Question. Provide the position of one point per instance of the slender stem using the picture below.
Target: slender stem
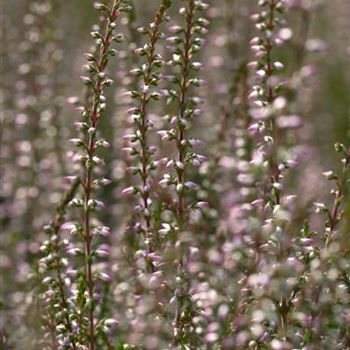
(275, 173)
(181, 145)
(270, 26)
(60, 210)
(183, 102)
(143, 127)
(88, 171)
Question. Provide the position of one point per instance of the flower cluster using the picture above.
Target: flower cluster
(184, 45)
(143, 151)
(87, 290)
(85, 295)
(54, 270)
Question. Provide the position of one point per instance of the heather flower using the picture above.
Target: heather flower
(183, 46)
(143, 151)
(54, 263)
(96, 81)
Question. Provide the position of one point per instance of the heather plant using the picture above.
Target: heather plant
(184, 46)
(143, 124)
(85, 294)
(188, 207)
(56, 319)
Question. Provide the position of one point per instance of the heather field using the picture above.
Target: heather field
(175, 175)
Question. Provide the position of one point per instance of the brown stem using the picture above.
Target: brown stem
(181, 147)
(88, 177)
(144, 157)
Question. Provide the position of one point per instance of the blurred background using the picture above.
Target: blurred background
(43, 48)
